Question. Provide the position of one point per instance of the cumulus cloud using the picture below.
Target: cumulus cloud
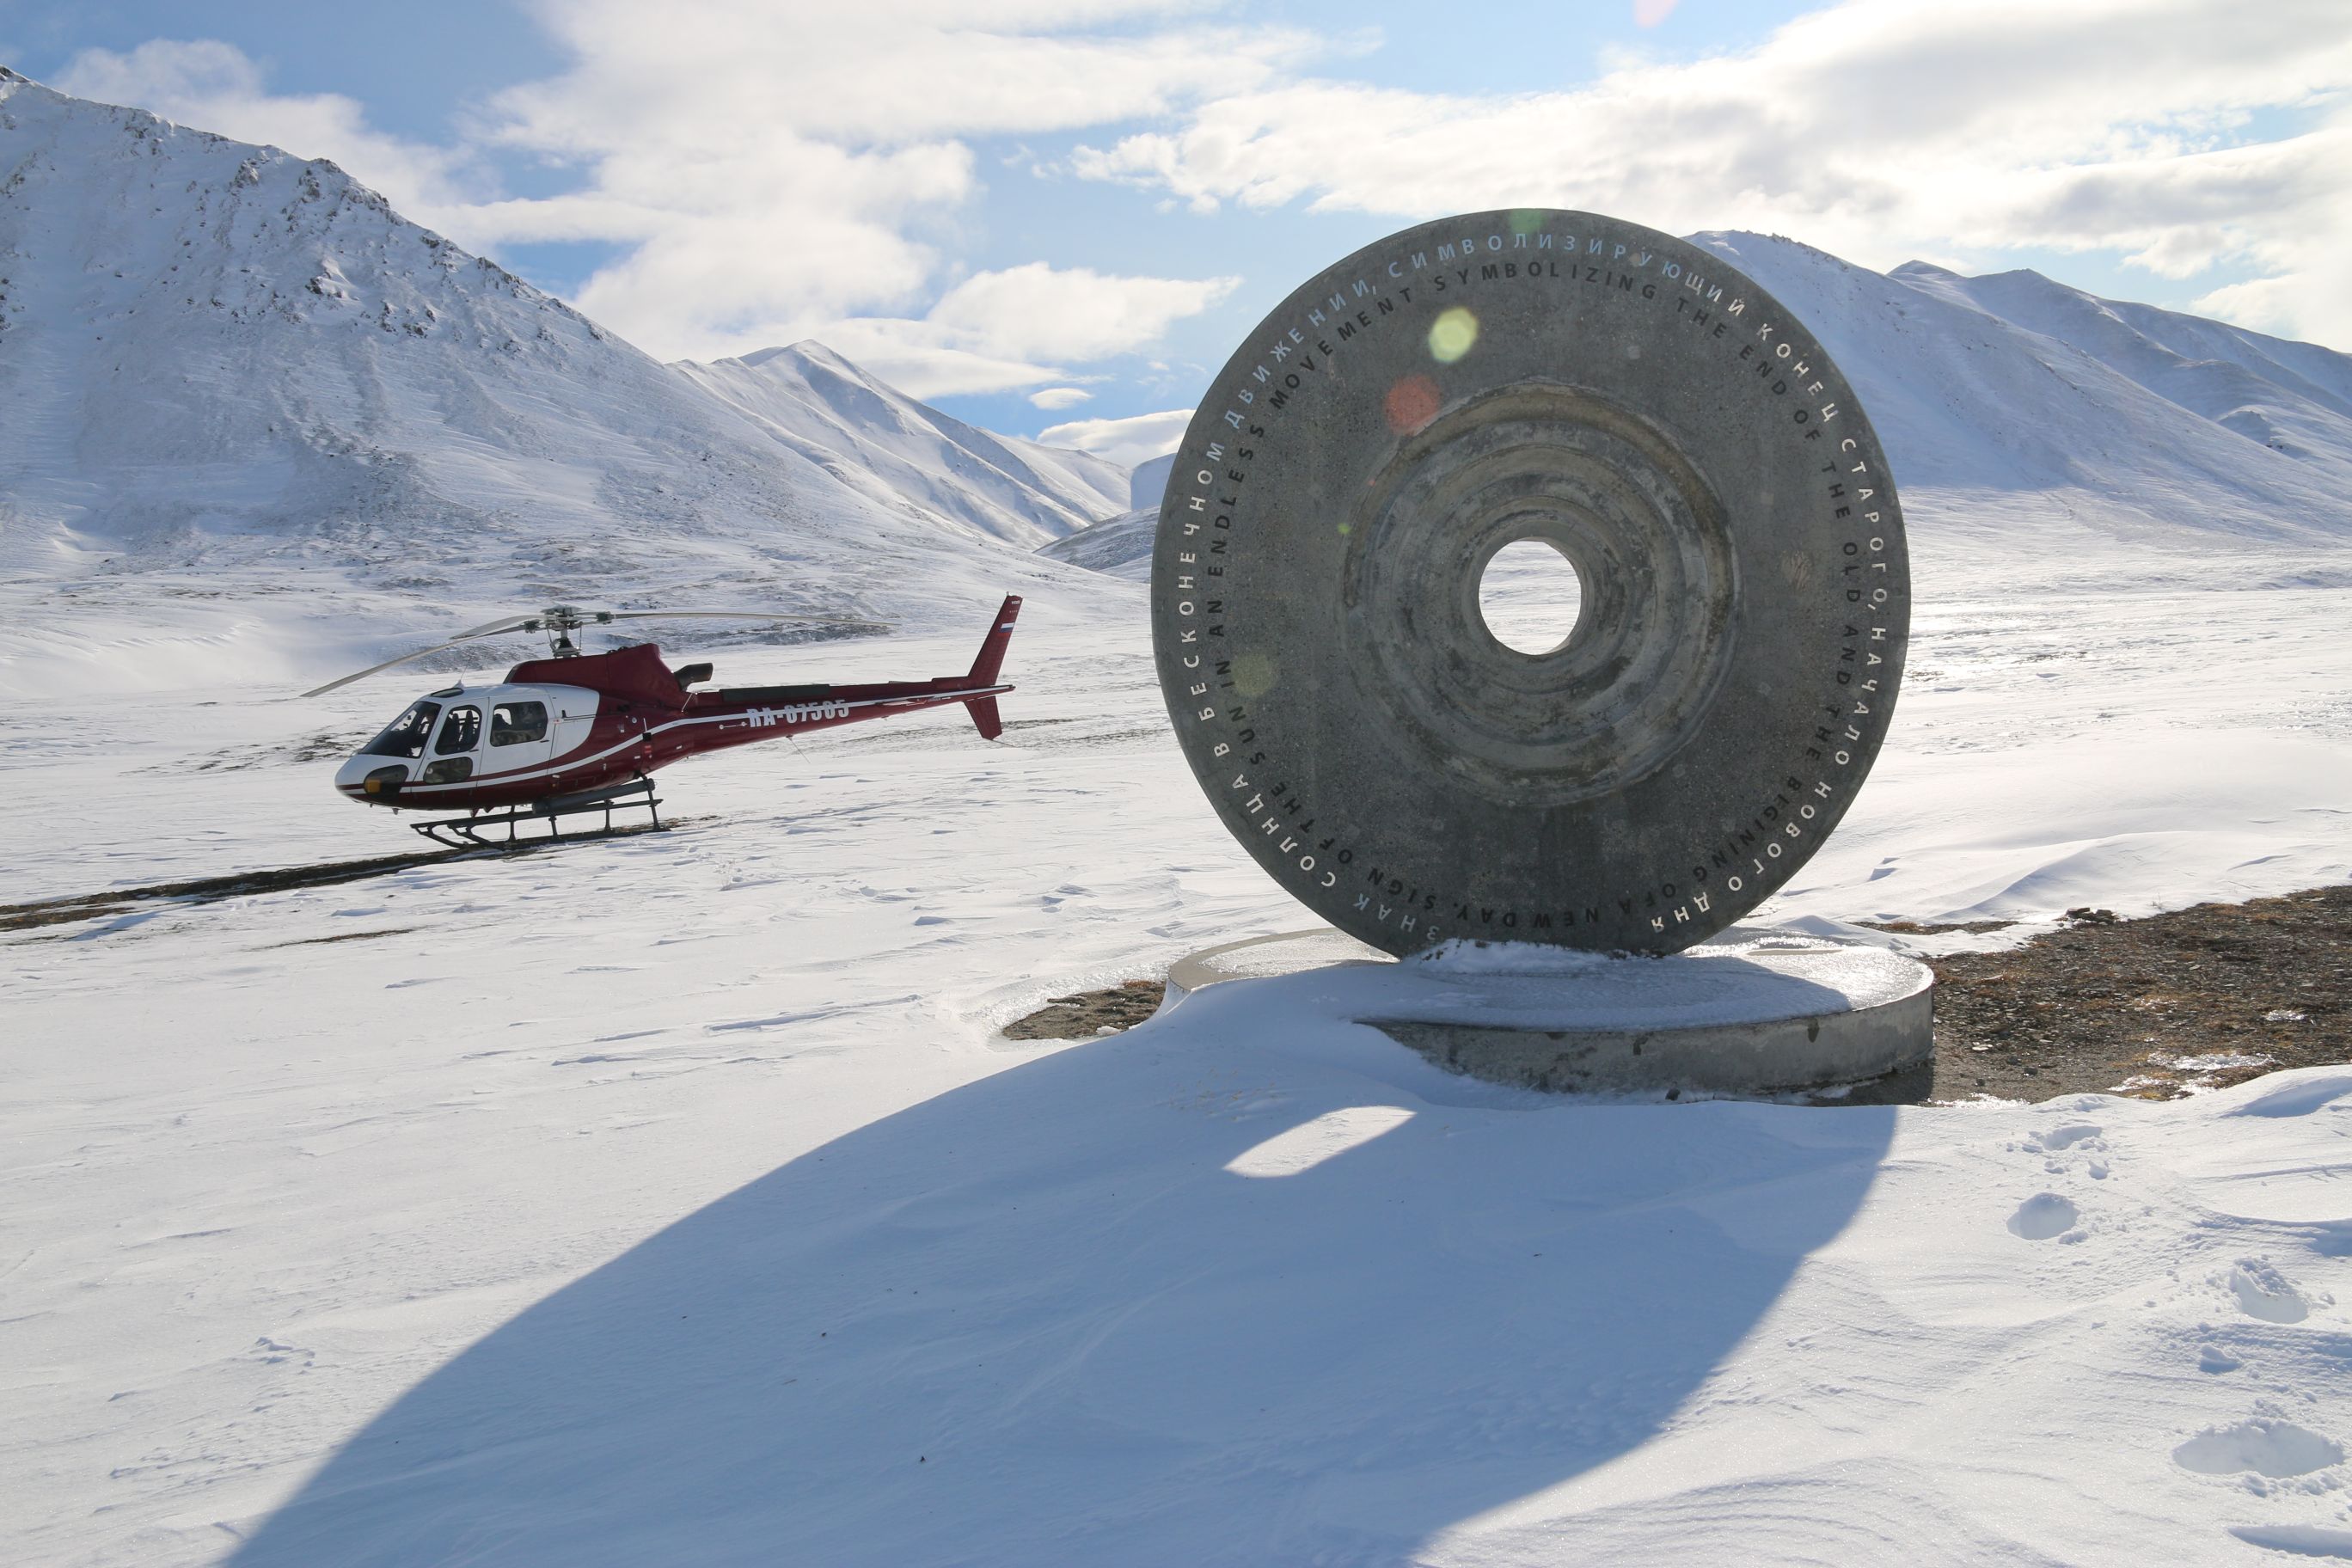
(1073, 314)
(811, 178)
(997, 331)
(1136, 439)
(1057, 397)
(818, 167)
(1877, 129)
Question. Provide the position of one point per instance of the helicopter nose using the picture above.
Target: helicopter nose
(374, 781)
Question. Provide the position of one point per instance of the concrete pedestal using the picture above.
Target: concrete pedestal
(1749, 1012)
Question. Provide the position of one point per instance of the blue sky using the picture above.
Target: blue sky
(1064, 213)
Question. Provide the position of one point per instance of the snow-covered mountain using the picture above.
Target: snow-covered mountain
(228, 375)
(1149, 483)
(883, 444)
(240, 397)
(1121, 545)
(2139, 421)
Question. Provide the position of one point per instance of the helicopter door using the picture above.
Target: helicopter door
(460, 736)
(572, 717)
(522, 730)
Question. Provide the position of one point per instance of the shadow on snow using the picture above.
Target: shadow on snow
(1038, 1318)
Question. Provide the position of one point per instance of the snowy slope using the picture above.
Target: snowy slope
(2243, 381)
(1149, 483)
(240, 397)
(1119, 545)
(2014, 385)
(886, 446)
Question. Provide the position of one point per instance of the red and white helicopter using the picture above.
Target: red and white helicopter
(578, 732)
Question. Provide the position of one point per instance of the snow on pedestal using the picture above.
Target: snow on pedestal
(1749, 1012)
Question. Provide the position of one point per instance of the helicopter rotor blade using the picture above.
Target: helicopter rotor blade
(739, 616)
(559, 615)
(512, 623)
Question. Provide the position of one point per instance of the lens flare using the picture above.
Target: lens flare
(1410, 403)
(1451, 335)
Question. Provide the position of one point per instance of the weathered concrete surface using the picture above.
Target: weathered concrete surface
(1626, 398)
(1749, 1012)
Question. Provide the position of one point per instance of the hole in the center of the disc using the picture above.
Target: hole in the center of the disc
(1530, 596)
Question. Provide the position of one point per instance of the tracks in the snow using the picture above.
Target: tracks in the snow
(208, 890)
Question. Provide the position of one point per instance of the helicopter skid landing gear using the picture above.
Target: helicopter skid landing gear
(473, 832)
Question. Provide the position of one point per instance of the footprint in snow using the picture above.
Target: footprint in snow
(2265, 1445)
(2263, 1292)
(2081, 1138)
(2042, 1216)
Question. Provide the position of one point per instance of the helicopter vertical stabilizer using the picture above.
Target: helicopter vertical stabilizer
(992, 656)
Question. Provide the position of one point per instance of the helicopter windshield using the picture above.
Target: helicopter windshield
(405, 737)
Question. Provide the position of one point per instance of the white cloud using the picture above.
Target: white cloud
(1136, 439)
(997, 331)
(746, 257)
(815, 166)
(213, 87)
(1073, 314)
(814, 171)
(1877, 129)
(1054, 397)
(879, 72)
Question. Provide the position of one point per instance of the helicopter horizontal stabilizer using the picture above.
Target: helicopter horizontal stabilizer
(985, 717)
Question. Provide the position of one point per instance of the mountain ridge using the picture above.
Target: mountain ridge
(2013, 383)
(875, 437)
(231, 377)
(230, 374)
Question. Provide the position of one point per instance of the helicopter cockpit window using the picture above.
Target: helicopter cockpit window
(461, 731)
(405, 735)
(511, 724)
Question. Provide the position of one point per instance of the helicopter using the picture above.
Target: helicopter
(579, 732)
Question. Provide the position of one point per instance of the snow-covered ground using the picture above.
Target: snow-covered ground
(673, 1198)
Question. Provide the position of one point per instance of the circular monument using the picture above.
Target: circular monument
(1720, 681)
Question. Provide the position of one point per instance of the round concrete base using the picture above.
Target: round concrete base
(1749, 1012)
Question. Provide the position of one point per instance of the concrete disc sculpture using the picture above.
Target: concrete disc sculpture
(1634, 403)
